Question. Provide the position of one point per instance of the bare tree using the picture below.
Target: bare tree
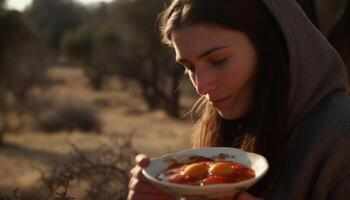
(22, 64)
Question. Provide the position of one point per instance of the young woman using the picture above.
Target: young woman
(269, 83)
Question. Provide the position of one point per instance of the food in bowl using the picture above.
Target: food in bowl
(191, 156)
(200, 170)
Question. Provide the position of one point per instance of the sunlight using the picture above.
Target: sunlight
(22, 4)
(18, 4)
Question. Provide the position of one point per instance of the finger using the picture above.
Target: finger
(244, 196)
(143, 187)
(136, 172)
(132, 172)
(142, 196)
(142, 160)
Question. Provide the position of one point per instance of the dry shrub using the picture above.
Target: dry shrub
(69, 115)
(15, 195)
(103, 171)
(20, 194)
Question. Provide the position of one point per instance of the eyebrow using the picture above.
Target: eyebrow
(209, 51)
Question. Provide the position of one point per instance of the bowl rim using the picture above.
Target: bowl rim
(213, 186)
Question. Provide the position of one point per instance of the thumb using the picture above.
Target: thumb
(142, 160)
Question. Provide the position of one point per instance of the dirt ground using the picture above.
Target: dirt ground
(121, 112)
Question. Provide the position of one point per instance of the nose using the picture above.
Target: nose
(205, 82)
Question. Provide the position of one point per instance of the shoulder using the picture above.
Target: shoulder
(335, 107)
(330, 119)
(325, 136)
(316, 157)
(326, 130)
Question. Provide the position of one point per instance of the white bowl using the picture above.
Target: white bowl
(256, 162)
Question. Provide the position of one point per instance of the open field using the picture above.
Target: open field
(120, 111)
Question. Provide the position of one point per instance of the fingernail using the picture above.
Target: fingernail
(142, 160)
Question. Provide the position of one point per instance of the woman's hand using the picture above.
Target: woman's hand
(139, 188)
(246, 196)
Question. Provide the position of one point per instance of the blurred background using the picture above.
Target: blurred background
(86, 84)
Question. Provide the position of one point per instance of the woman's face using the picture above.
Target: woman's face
(221, 64)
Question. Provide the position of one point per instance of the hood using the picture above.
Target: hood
(316, 69)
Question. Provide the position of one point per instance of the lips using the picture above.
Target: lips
(216, 101)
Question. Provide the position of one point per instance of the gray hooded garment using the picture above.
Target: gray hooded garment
(316, 162)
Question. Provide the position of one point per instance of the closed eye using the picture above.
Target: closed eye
(218, 62)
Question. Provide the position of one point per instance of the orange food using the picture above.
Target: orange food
(196, 170)
(221, 169)
(206, 173)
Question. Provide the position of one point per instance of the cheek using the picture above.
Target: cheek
(239, 74)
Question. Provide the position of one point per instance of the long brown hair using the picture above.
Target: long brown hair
(269, 113)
